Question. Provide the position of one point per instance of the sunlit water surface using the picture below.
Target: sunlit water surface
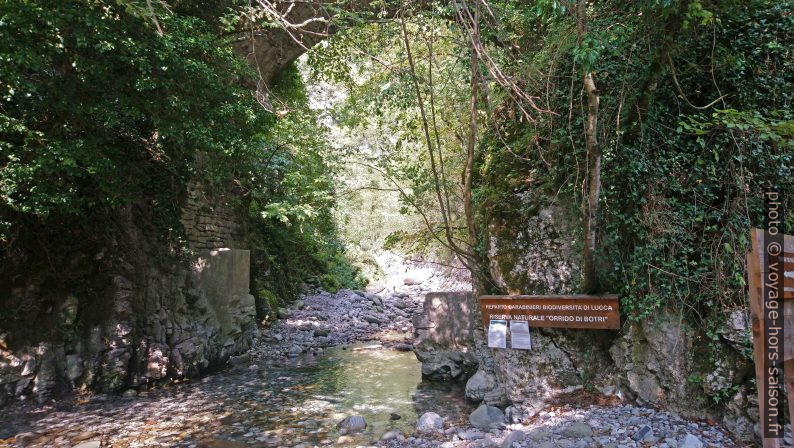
(374, 383)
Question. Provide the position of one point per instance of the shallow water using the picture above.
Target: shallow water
(264, 405)
(371, 382)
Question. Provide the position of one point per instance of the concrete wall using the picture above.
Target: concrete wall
(443, 336)
(222, 276)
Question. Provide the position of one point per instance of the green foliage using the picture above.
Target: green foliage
(682, 186)
(100, 110)
(689, 232)
(107, 105)
(389, 152)
(102, 121)
(293, 233)
(587, 52)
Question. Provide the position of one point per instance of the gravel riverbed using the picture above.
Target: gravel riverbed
(318, 364)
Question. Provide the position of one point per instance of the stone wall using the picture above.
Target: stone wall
(162, 316)
(212, 219)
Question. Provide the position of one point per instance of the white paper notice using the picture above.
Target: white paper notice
(519, 335)
(497, 334)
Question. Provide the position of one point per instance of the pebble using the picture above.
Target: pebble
(512, 438)
(430, 422)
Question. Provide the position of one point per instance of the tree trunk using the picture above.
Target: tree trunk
(471, 142)
(589, 278)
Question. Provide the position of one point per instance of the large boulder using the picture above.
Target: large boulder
(445, 365)
(538, 256)
(487, 417)
(513, 438)
(657, 358)
(443, 335)
(690, 441)
(479, 385)
(577, 430)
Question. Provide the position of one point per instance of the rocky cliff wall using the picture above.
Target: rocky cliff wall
(662, 361)
(160, 316)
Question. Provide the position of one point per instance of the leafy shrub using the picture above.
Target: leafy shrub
(100, 110)
(682, 185)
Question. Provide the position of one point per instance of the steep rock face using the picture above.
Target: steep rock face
(538, 258)
(665, 361)
(655, 356)
(172, 325)
(159, 317)
(662, 361)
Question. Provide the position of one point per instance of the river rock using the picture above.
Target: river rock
(74, 366)
(430, 422)
(30, 367)
(486, 417)
(690, 441)
(376, 299)
(513, 437)
(282, 313)
(478, 385)
(240, 361)
(392, 435)
(371, 319)
(644, 432)
(539, 434)
(577, 430)
(130, 393)
(321, 331)
(351, 425)
(89, 444)
(442, 365)
(25, 438)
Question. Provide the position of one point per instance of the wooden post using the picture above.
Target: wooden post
(755, 278)
(757, 325)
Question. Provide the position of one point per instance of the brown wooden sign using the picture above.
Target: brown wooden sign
(571, 311)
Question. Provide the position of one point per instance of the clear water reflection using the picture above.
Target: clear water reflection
(374, 383)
